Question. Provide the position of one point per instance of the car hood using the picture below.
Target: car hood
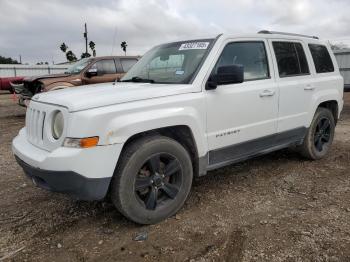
(35, 78)
(92, 96)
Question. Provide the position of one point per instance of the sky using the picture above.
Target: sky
(35, 29)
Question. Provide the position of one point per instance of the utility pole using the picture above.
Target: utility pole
(20, 59)
(86, 39)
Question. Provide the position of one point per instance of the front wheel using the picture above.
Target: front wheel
(319, 137)
(152, 180)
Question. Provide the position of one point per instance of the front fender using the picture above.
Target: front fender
(120, 129)
(116, 124)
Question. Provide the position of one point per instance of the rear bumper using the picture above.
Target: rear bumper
(68, 182)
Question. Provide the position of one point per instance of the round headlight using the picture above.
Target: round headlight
(57, 125)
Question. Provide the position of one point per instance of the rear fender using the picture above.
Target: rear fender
(324, 96)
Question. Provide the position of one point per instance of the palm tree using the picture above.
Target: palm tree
(123, 46)
(64, 47)
(92, 47)
(85, 55)
(71, 56)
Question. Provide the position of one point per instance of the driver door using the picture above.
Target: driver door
(105, 69)
(242, 117)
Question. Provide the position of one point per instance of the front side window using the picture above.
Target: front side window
(291, 59)
(322, 59)
(251, 55)
(105, 66)
(174, 63)
(78, 66)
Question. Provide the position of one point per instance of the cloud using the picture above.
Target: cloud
(36, 28)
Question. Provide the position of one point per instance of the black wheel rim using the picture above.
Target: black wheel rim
(322, 134)
(158, 181)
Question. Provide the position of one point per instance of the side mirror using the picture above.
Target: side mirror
(231, 74)
(91, 72)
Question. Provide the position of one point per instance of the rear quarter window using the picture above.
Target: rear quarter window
(322, 59)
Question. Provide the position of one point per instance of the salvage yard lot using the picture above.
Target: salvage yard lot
(278, 207)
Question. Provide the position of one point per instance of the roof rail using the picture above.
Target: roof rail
(283, 33)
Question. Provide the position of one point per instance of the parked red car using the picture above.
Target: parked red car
(5, 82)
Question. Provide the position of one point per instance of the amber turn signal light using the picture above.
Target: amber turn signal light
(89, 142)
(86, 142)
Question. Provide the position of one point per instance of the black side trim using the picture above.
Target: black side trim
(239, 152)
(68, 182)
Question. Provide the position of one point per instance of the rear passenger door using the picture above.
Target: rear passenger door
(295, 84)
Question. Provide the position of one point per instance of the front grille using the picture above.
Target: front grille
(35, 120)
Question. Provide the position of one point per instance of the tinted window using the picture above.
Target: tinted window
(322, 59)
(127, 64)
(291, 59)
(252, 55)
(106, 66)
(304, 67)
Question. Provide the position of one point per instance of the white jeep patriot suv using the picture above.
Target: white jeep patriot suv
(185, 108)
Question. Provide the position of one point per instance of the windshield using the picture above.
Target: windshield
(78, 66)
(172, 63)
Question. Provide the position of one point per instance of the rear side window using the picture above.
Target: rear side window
(251, 55)
(127, 64)
(322, 59)
(291, 59)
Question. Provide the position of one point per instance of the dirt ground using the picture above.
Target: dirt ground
(278, 207)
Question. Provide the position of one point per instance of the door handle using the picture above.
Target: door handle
(309, 88)
(267, 93)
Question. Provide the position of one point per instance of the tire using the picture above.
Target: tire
(319, 137)
(138, 179)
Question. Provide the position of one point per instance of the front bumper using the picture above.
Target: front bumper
(68, 182)
(23, 101)
(82, 173)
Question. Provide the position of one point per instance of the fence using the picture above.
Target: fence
(30, 70)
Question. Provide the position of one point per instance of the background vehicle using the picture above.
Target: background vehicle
(86, 71)
(184, 109)
(5, 82)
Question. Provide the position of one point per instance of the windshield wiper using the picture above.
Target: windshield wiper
(138, 79)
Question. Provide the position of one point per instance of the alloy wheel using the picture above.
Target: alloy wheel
(322, 134)
(158, 181)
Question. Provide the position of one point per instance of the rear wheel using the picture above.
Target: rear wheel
(319, 137)
(152, 180)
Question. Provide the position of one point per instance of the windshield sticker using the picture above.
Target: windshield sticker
(194, 45)
(179, 72)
